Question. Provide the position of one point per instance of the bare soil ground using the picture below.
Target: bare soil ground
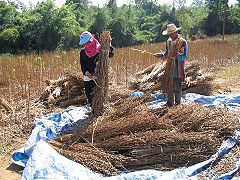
(8, 170)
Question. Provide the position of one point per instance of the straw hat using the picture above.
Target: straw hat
(171, 28)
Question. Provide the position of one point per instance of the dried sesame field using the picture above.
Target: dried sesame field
(23, 80)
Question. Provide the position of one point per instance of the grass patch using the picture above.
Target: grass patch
(230, 72)
(228, 78)
(236, 38)
(4, 146)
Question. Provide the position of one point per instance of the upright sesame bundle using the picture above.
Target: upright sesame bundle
(101, 91)
(167, 81)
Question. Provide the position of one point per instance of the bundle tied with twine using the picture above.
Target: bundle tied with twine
(167, 81)
(101, 90)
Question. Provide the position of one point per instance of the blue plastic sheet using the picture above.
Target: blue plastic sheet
(43, 162)
(46, 163)
(48, 127)
(230, 102)
(137, 93)
(230, 174)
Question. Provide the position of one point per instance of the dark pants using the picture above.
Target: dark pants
(89, 88)
(177, 93)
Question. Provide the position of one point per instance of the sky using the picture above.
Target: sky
(120, 2)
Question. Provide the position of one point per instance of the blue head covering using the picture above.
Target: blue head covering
(85, 37)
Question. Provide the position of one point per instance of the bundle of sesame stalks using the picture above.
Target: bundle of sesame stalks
(197, 80)
(65, 91)
(92, 157)
(132, 136)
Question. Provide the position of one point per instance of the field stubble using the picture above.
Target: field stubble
(22, 80)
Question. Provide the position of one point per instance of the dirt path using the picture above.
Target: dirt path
(8, 170)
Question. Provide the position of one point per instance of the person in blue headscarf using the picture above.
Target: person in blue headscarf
(89, 56)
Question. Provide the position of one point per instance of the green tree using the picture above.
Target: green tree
(9, 40)
(101, 21)
(46, 27)
(118, 29)
(197, 4)
(83, 11)
(29, 32)
(166, 15)
(9, 32)
(68, 27)
(183, 17)
(80, 4)
(131, 14)
(7, 15)
(47, 37)
(112, 3)
(149, 30)
(215, 17)
(113, 9)
(150, 7)
(234, 19)
(199, 15)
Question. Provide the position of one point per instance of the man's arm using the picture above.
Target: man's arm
(162, 54)
(82, 62)
(182, 55)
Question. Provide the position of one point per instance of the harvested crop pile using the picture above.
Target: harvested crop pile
(67, 90)
(92, 157)
(5, 106)
(142, 138)
(17, 125)
(197, 81)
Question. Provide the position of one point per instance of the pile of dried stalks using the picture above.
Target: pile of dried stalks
(5, 106)
(16, 126)
(163, 138)
(227, 163)
(197, 81)
(92, 157)
(67, 90)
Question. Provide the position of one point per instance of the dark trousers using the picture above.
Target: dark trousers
(89, 88)
(177, 93)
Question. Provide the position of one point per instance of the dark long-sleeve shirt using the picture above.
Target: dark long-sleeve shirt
(88, 63)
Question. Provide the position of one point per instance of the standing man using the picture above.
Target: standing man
(176, 53)
(89, 56)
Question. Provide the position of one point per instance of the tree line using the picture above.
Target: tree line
(46, 27)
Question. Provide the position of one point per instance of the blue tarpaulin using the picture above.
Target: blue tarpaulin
(48, 127)
(230, 102)
(42, 162)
